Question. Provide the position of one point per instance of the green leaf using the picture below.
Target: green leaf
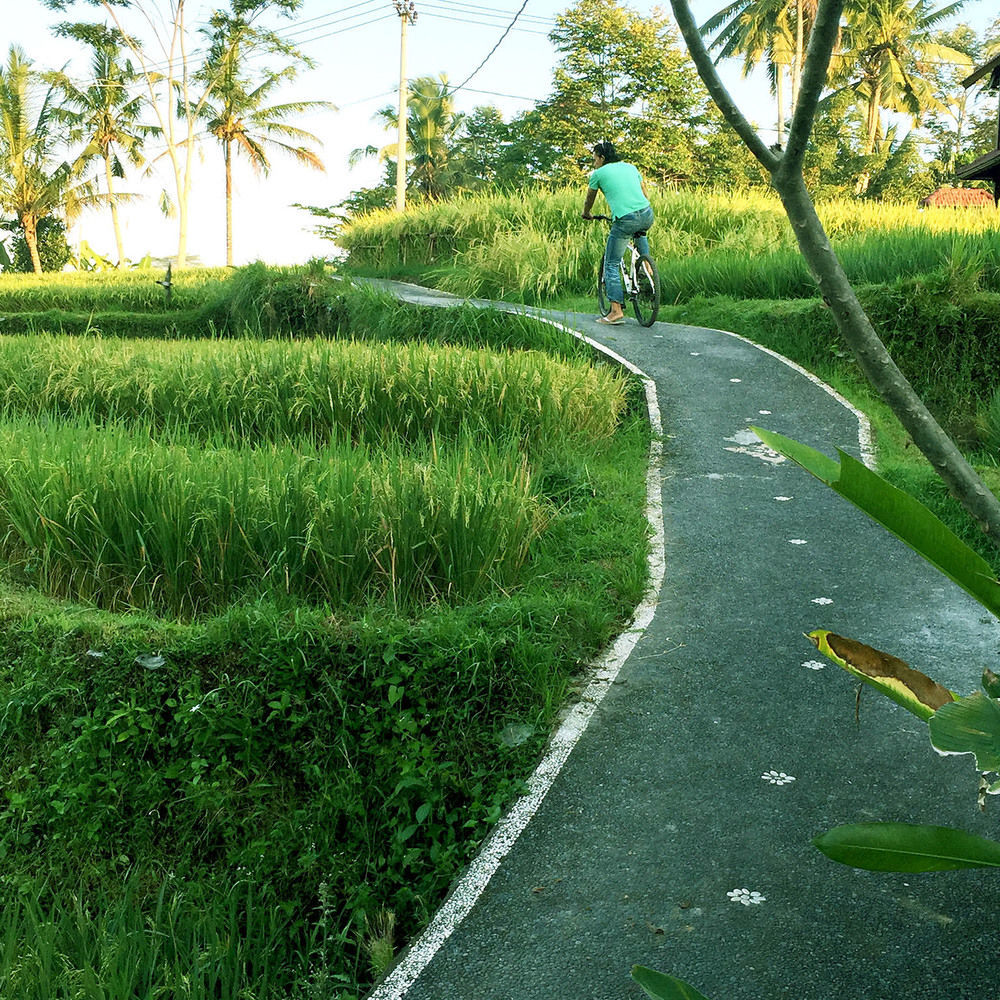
(991, 683)
(907, 518)
(969, 725)
(906, 847)
(660, 986)
(894, 678)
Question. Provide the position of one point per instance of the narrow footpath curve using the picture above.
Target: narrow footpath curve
(677, 833)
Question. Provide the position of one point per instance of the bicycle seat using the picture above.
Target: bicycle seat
(641, 232)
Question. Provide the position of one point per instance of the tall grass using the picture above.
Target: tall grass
(181, 477)
(132, 945)
(133, 290)
(706, 243)
(106, 516)
(255, 392)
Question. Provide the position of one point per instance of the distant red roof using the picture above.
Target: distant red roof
(959, 198)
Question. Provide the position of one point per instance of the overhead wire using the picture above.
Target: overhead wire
(490, 53)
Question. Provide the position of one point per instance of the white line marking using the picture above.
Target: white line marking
(603, 673)
(866, 441)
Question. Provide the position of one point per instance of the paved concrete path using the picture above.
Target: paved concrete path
(726, 743)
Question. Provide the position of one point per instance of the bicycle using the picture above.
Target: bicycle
(640, 279)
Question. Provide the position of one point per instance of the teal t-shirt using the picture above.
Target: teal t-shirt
(622, 187)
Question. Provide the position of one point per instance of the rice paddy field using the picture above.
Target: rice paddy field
(293, 580)
(929, 280)
(535, 248)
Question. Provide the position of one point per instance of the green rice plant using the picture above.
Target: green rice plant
(527, 265)
(176, 942)
(109, 291)
(255, 392)
(706, 243)
(105, 516)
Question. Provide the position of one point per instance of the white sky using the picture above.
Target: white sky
(355, 44)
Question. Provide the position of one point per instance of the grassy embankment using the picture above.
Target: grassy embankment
(930, 281)
(294, 580)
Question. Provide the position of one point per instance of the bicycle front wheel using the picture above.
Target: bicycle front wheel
(646, 299)
(603, 302)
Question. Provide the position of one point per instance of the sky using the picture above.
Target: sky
(355, 45)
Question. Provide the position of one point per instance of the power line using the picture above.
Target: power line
(485, 24)
(299, 35)
(493, 93)
(365, 100)
(495, 47)
(475, 10)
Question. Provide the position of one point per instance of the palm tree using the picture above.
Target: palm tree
(235, 111)
(33, 185)
(887, 58)
(431, 125)
(107, 111)
(771, 29)
(992, 47)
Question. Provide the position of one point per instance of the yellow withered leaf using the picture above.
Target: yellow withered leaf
(896, 679)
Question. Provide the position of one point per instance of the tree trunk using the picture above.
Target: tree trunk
(799, 52)
(184, 185)
(227, 153)
(779, 94)
(113, 202)
(873, 129)
(855, 327)
(29, 223)
(876, 363)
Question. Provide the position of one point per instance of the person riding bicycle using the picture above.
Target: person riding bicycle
(625, 192)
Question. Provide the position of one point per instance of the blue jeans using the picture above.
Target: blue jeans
(621, 230)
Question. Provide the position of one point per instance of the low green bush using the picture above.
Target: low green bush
(295, 754)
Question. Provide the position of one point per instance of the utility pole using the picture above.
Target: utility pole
(407, 11)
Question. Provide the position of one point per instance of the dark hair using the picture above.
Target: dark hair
(608, 151)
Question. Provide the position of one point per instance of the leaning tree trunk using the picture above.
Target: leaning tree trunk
(785, 169)
(876, 362)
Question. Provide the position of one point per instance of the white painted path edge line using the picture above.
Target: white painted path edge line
(472, 884)
(866, 441)
(470, 887)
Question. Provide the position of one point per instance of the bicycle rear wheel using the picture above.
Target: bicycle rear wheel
(603, 302)
(646, 300)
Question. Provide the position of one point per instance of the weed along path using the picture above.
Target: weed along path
(676, 834)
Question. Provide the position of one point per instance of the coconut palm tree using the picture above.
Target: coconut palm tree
(887, 57)
(775, 30)
(106, 111)
(431, 127)
(992, 46)
(34, 184)
(235, 107)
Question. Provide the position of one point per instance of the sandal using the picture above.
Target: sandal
(604, 321)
